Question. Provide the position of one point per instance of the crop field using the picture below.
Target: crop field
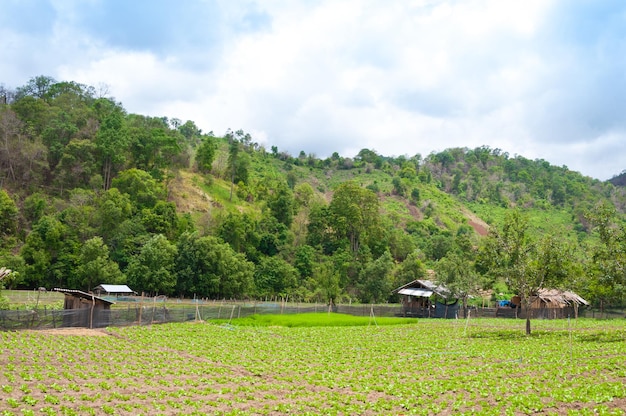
(313, 366)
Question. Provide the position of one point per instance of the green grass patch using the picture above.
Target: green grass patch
(319, 319)
(31, 298)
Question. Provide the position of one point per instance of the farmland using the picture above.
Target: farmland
(483, 366)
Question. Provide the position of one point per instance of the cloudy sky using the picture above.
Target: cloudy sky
(537, 78)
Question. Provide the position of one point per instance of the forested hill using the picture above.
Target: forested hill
(92, 194)
(619, 180)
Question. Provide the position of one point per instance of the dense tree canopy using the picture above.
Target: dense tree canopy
(91, 194)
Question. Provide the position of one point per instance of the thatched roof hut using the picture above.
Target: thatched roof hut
(554, 298)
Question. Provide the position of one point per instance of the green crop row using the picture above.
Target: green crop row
(427, 367)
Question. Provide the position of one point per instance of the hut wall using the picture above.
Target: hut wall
(78, 313)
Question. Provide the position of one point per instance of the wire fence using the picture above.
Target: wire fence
(127, 312)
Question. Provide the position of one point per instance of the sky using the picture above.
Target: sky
(542, 79)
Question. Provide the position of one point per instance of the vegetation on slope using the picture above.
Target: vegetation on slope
(91, 194)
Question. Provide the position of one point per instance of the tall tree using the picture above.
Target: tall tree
(49, 254)
(206, 154)
(458, 274)
(8, 215)
(275, 277)
(376, 280)
(238, 161)
(233, 155)
(280, 201)
(152, 270)
(327, 281)
(526, 265)
(207, 267)
(22, 154)
(111, 141)
(95, 266)
(37, 87)
(608, 265)
(354, 214)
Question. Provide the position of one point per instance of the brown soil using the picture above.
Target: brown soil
(72, 331)
(480, 226)
(188, 197)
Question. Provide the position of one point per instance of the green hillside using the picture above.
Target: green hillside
(93, 194)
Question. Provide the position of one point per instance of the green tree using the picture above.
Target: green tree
(111, 142)
(458, 275)
(190, 131)
(16, 264)
(8, 215)
(206, 154)
(399, 243)
(376, 280)
(233, 159)
(410, 269)
(239, 230)
(209, 267)
(354, 214)
(37, 87)
(143, 190)
(152, 270)
(327, 281)
(281, 203)
(438, 246)
(274, 277)
(608, 261)
(305, 260)
(303, 194)
(77, 165)
(162, 219)
(49, 254)
(526, 265)
(35, 206)
(95, 266)
(113, 209)
(152, 145)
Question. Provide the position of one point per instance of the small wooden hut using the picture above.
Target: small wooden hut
(554, 303)
(426, 299)
(85, 309)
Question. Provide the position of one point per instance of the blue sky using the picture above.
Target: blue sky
(539, 78)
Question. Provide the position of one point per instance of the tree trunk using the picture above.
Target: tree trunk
(526, 303)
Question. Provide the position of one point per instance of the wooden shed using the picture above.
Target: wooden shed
(555, 303)
(85, 309)
(427, 299)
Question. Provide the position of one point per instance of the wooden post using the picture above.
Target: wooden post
(153, 309)
(232, 312)
(93, 305)
(140, 307)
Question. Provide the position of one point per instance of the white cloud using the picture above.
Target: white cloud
(399, 77)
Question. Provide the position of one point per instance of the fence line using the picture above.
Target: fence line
(127, 313)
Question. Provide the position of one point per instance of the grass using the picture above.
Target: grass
(320, 319)
(30, 298)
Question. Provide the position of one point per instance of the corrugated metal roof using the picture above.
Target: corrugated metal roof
(81, 294)
(416, 292)
(114, 288)
(425, 284)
